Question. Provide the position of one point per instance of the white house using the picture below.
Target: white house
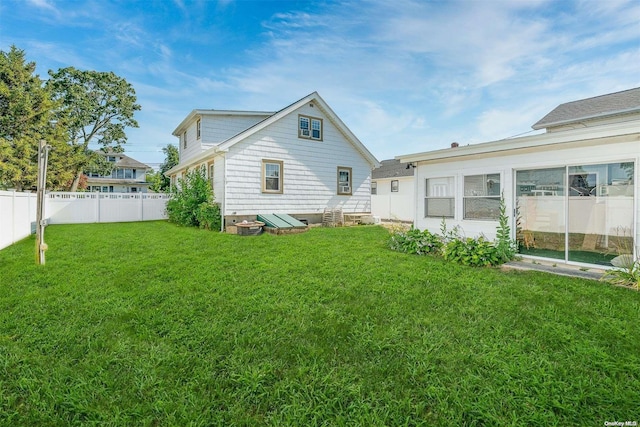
(392, 191)
(571, 192)
(127, 176)
(298, 161)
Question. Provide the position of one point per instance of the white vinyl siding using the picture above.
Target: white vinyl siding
(310, 176)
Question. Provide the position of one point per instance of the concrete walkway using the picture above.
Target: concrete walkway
(556, 268)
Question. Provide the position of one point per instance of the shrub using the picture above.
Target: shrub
(626, 273)
(191, 203)
(414, 241)
(472, 252)
(208, 216)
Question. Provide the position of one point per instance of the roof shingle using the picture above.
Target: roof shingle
(611, 104)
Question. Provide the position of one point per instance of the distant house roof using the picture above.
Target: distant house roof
(391, 168)
(125, 161)
(627, 101)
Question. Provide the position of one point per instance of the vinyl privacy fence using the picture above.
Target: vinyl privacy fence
(18, 210)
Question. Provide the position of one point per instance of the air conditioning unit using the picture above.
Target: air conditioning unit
(345, 189)
(304, 132)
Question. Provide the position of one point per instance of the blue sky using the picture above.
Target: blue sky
(405, 76)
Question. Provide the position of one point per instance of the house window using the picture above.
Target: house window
(120, 173)
(374, 187)
(211, 170)
(310, 128)
(128, 174)
(440, 198)
(482, 196)
(184, 140)
(394, 186)
(198, 128)
(272, 174)
(344, 181)
(111, 158)
(134, 189)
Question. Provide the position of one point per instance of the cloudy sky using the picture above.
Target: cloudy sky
(405, 76)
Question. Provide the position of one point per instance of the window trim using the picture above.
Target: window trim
(397, 182)
(198, 128)
(374, 188)
(184, 140)
(350, 170)
(310, 119)
(280, 164)
(451, 198)
(465, 197)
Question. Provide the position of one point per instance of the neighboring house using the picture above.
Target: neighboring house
(571, 193)
(128, 176)
(393, 191)
(299, 161)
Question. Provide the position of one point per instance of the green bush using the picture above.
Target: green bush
(208, 216)
(453, 247)
(414, 241)
(191, 203)
(472, 252)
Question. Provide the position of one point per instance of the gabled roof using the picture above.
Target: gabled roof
(322, 105)
(202, 112)
(626, 101)
(391, 168)
(125, 161)
(314, 98)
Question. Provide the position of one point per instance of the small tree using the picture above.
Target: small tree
(159, 182)
(192, 203)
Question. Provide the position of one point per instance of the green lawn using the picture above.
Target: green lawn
(148, 324)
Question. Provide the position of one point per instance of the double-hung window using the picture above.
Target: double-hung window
(310, 128)
(211, 170)
(482, 196)
(395, 186)
(344, 180)
(198, 123)
(184, 140)
(272, 174)
(374, 187)
(440, 199)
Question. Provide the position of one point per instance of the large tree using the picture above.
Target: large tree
(96, 107)
(159, 182)
(26, 117)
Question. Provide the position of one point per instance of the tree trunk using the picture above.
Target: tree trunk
(76, 181)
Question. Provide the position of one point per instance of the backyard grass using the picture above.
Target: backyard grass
(149, 324)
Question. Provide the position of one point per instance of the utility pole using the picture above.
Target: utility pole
(41, 222)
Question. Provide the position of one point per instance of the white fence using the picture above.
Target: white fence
(18, 210)
(75, 208)
(17, 216)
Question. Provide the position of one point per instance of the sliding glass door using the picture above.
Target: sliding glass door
(540, 221)
(577, 213)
